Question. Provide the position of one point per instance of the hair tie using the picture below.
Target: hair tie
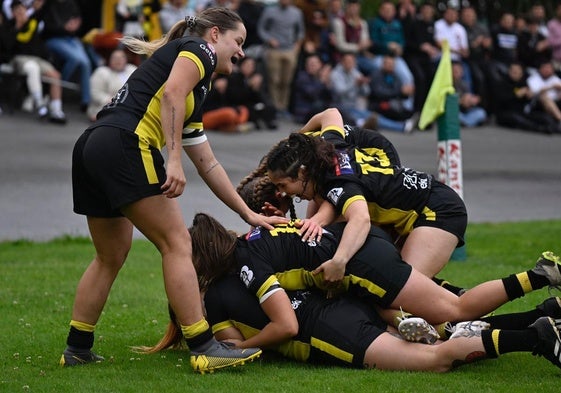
(191, 21)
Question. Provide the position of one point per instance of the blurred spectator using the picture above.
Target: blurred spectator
(316, 26)
(389, 95)
(351, 35)
(406, 13)
(311, 91)
(246, 87)
(554, 37)
(533, 47)
(281, 27)
(546, 86)
(139, 18)
(471, 113)
(537, 12)
(421, 52)
(334, 10)
(107, 80)
(515, 105)
(30, 54)
(250, 11)
(351, 90)
(31, 7)
(219, 113)
(386, 35)
(172, 12)
(62, 22)
(480, 45)
(505, 44)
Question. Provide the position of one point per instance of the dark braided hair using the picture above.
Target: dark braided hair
(256, 189)
(315, 155)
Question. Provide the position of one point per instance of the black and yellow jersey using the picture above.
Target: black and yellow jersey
(136, 106)
(396, 195)
(270, 259)
(370, 142)
(333, 331)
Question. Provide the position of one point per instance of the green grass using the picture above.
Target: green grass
(37, 283)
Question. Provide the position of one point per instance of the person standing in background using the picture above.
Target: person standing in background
(281, 28)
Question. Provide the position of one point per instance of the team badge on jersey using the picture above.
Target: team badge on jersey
(254, 234)
(334, 194)
(246, 275)
(344, 162)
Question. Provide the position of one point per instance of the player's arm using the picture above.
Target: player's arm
(283, 324)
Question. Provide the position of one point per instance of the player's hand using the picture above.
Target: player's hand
(333, 272)
(175, 180)
(269, 209)
(309, 230)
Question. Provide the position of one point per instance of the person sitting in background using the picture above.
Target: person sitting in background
(62, 22)
(245, 87)
(312, 89)
(351, 91)
(515, 104)
(387, 36)
(471, 113)
(107, 80)
(219, 113)
(533, 47)
(546, 86)
(389, 95)
(554, 37)
(30, 54)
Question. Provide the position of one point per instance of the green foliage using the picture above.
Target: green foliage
(38, 280)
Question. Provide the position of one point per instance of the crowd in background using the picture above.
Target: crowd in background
(302, 56)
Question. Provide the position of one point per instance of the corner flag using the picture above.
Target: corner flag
(441, 86)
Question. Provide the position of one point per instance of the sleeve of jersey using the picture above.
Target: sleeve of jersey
(334, 135)
(343, 194)
(205, 59)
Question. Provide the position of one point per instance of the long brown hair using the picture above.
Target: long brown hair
(221, 17)
(213, 249)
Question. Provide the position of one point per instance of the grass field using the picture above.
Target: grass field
(37, 283)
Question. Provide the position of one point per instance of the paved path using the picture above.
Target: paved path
(508, 175)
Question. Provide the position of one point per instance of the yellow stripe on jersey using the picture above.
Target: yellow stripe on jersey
(196, 60)
(296, 350)
(429, 214)
(150, 126)
(351, 200)
(295, 279)
(401, 220)
(337, 129)
(332, 350)
(266, 286)
(366, 284)
(147, 161)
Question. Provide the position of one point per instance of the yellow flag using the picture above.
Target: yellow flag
(441, 86)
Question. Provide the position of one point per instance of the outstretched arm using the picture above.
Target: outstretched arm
(329, 117)
(218, 181)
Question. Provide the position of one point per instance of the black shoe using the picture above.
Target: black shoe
(551, 307)
(74, 358)
(222, 354)
(549, 342)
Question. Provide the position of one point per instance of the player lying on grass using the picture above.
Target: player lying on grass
(347, 332)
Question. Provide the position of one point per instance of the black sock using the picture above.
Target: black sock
(446, 285)
(514, 320)
(80, 340)
(498, 342)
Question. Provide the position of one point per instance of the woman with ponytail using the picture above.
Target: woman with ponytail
(120, 179)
